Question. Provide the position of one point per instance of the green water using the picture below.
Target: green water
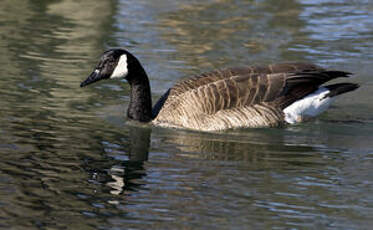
(69, 160)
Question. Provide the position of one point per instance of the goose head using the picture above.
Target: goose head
(116, 64)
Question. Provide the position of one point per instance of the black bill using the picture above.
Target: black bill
(93, 77)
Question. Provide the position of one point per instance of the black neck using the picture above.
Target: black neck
(140, 107)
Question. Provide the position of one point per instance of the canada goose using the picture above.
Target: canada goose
(255, 96)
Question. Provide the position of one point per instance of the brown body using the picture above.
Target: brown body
(239, 97)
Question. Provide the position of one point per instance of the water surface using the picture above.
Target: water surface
(69, 159)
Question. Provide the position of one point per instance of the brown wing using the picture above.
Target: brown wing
(206, 78)
(241, 74)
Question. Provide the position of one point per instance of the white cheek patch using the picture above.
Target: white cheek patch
(121, 69)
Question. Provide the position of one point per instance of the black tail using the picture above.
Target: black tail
(337, 89)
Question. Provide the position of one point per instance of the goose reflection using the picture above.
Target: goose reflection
(269, 147)
(257, 147)
(125, 176)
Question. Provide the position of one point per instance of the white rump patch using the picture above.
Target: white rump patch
(121, 69)
(308, 107)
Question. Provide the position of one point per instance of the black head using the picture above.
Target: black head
(114, 63)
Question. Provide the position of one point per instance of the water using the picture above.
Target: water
(69, 160)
